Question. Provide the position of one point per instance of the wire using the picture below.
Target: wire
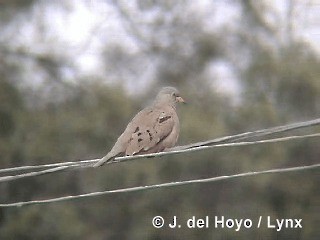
(258, 133)
(162, 185)
(23, 168)
(89, 163)
(226, 139)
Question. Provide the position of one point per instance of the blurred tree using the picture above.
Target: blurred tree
(50, 113)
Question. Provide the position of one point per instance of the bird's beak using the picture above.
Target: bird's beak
(180, 99)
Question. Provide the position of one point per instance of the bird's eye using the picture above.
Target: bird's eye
(174, 94)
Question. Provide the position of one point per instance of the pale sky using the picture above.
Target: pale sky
(90, 19)
(78, 25)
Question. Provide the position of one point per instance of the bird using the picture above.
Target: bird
(153, 129)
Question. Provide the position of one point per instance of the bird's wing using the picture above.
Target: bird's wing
(147, 129)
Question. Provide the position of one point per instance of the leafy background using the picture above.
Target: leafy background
(73, 73)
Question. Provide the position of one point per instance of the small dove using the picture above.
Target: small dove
(154, 129)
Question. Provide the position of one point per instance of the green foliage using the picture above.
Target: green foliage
(60, 121)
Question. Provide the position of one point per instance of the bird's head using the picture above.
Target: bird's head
(169, 95)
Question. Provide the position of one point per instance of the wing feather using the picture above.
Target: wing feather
(147, 129)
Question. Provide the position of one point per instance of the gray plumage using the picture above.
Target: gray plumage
(153, 129)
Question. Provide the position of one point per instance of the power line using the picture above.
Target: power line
(254, 134)
(226, 139)
(41, 166)
(89, 163)
(162, 185)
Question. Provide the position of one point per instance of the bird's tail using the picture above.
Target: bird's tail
(107, 158)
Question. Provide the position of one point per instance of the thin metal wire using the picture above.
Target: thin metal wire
(162, 185)
(226, 139)
(89, 163)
